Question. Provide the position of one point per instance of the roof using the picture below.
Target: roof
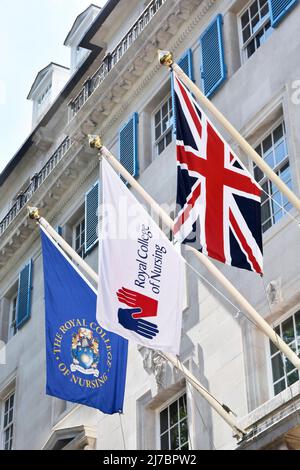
(104, 13)
(41, 74)
(78, 21)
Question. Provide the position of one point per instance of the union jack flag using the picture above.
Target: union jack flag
(218, 199)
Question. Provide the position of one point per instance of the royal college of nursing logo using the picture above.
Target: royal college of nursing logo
(83, 353)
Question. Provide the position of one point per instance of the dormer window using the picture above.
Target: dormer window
(45, 93)
(45, 88)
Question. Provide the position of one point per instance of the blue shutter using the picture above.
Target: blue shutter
(186, 63)
(24, 295)
(128, 145)
(279, 8)
(213, 69)
(91, 217)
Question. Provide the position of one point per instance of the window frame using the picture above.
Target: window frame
(165, 405)
(12, 319)
(276, 324)
(11, 423)
(277, 168)
(80, 251)
(155, 142)
(262, 24)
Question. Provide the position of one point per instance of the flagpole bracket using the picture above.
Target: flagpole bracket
(165, 58)
(95, 142)
(33, 213)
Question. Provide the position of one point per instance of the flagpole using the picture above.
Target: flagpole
(220, 409)
(166, 58)
(34, 214)
(95, 142)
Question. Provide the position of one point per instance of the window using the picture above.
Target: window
(45, 93)
(273, 149)
(255, 25)
(8, 418)
(163, 126)
(284, 372)
(174, 426)
(79, 236)
(12, 327)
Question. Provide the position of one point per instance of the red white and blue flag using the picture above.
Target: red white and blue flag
(218, 199)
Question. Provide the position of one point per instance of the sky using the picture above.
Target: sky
(32, 33)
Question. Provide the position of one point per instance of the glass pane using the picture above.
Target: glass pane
(251, 48)
(297, 320)
(278, 133)
(182, 407)
(164, 441)
(276, 202)
(173, 413)
(165, 124)
(246, 33)
(266, 225)
(285, 173)
(260, 38)
(279, 387)
(258, 149)
(6, 440)
(277, 367)
(245, 18)
(161, 146)
(273, 348)
(164, 420)
(267, 144)
(288, 333)
(164, 109)
(254, 8)
(11, 415)
(269, 158)
(157, 132)
(174, 437)
(254, 22)
(287, 364)
(293, 377)
(266, 191)
(265, 211)
(168, 138)
(258, 174)
(6, 406)
(280, 152)
(157, 118)
(262, 3)
(184, 437)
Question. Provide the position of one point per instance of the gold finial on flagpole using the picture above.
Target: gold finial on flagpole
(33, 213)
(165, 58)
(95, 141)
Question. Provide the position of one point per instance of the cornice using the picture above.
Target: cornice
(118, 113)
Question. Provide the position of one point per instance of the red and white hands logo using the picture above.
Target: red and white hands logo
(141, 306)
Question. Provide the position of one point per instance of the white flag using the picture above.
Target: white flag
(141, 275)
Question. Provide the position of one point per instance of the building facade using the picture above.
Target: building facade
(244, 56)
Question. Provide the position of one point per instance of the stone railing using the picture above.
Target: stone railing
(113, 58)
(35, 183)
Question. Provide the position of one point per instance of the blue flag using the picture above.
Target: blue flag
(85, 363)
